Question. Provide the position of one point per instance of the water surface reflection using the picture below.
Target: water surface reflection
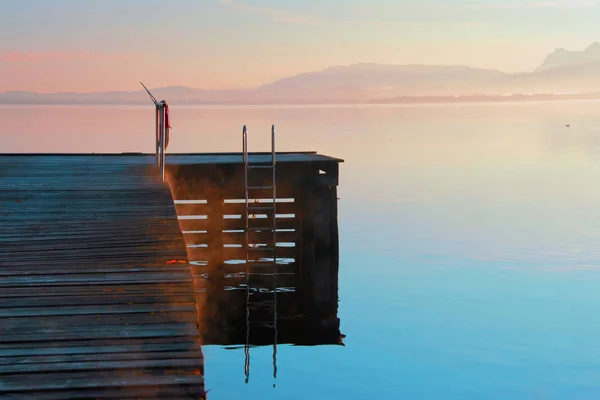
(281, 308)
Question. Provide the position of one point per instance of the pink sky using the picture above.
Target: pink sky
(73, 45)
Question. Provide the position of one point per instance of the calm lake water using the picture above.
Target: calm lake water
(469, 242)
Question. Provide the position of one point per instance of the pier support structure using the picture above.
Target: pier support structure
(210, 200)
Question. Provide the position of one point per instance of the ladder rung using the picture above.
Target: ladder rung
(260, 166)
(261, 229)
(260, 187)
(264, 262)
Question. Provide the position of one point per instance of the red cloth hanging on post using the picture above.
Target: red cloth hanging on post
(167, 124)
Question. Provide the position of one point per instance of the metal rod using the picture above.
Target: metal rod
(273, 143)
(159, 119)
(274, 255)
(244, 147)
(150, 94)
(246, 243)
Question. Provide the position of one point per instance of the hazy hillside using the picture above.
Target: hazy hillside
(355, 83)
(379, 80)
(562, 58)
(583, 78)
(562, 72)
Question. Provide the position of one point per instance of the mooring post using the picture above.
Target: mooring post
(163, 131)
(157, 135)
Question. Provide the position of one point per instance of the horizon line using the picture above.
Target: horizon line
(406, 100)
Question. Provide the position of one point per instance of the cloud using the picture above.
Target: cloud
(479, 4)
(414, 23)
(42, 56)
(275, 14)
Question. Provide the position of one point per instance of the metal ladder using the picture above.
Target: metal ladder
(255, 207)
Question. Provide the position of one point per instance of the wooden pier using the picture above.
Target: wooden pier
(103, 267)
(96, 297)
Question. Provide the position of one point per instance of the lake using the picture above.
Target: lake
(469, 241)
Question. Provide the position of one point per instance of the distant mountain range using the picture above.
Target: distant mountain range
(565, 58)
(563, 72)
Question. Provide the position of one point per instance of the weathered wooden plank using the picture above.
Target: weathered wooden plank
(182, 391)
(55, 267)
(114, 366)
(84, 263)
(95, 309)
(85, 223)
(117, 251)
(150, 289)
(82, 199)
(129, 254)
(92, 218)
(47, 229)
(97, 346)
(97, 379)
(65, 358)
(93, 278)
(23, 211)
(117, 298)
(104, 332)
(67, 230)
(10, 325)
(69, 269)
(122, 240)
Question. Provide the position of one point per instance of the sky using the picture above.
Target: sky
(104, 45)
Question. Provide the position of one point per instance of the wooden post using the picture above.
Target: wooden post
(319, 241)
(215, 202)
(218, 224)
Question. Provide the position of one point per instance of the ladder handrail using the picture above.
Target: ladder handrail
(247, 214)
(273, 160)
(246, 243)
